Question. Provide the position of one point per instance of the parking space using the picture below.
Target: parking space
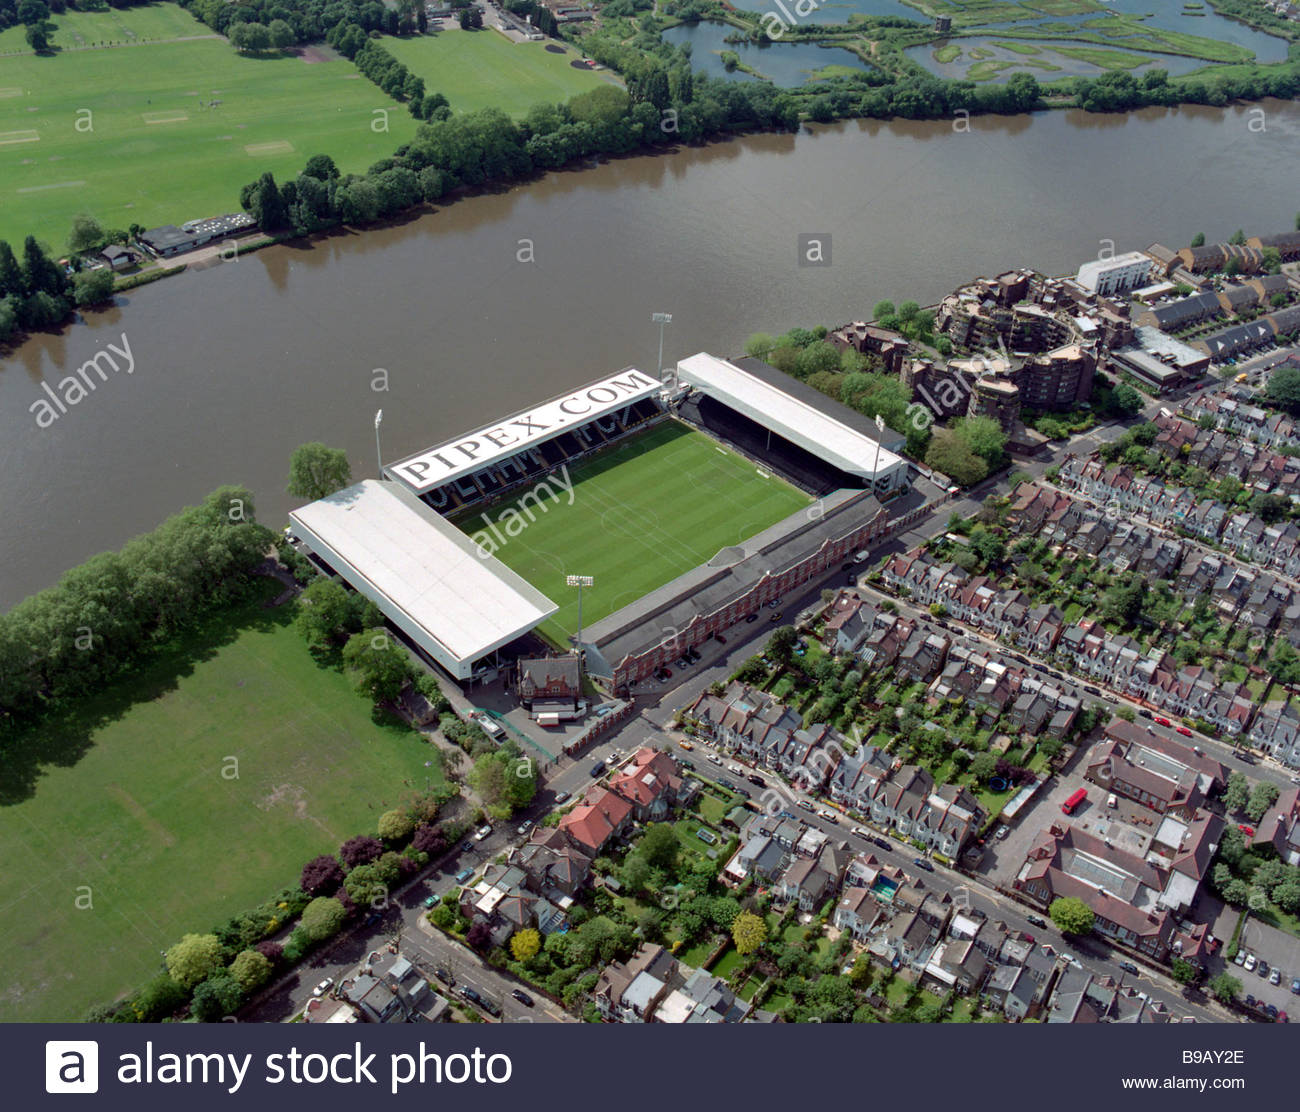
(1270, 948)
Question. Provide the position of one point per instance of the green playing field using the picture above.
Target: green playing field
(642, 512)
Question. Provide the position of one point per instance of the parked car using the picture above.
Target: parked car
(596, 769)
(464, 875)
(922, 863)
(1247, 830)
(561, 797)
(1144, 712)
(860, 832)
(735, 769)
(744, 793)
(776, 617)
(804, 805)
(522, 997)
(444, 975)
(1092, 690)
(524, 827)
(482, 832)
(756, 780)
(1263, 968)
(828, 815)
(719, 639)
(1275, 976)
(773, 603)
(1251, 962)
(751, 617)
(1240, 959)
(430, 900)
(1001, 832)
(1036, 921)
(324, 987)
(1184, 731)
(883, 843)
(713, 758)
(1129, 967)
(1160, 720)
(1295, 985)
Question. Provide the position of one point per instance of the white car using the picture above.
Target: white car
(324, 987)
(735, 770)
(715, 759)
(829, 816)
(1251, 962)
(859, 832)
(482, 832)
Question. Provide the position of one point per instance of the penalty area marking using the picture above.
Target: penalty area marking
(280, 146)
(8, 91)
(28, 135)
(164, 117)
(55, 185)
(762, 474)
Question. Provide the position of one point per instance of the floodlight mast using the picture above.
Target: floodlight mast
(662, 320)
(579, 581)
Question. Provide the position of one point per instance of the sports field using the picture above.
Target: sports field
(484, 69)
(174, 128)
(129, 799)
(643, 512)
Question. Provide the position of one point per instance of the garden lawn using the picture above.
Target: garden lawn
(132, 806)
(483, 69)
(643, 512)
(161, 151)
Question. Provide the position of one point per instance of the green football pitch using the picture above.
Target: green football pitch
(126, 824)
(643, 512)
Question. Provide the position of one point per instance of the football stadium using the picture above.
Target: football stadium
(681, 506)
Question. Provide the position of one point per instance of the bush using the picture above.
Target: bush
(321, 876)
(322, 918)
(216, 997)
(251, 969)
(360, 850)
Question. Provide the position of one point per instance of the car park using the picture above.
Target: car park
(522, 997)
(324, 987)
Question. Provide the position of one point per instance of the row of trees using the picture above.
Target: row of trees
(104, 615)
(39, 292)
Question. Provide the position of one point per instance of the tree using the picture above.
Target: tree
(1071, 915)
(281, 34)
(659, 846)
(1121, 603)
(159, 999)
(1225, 987)
(216, 998)
(1283, 389)
(951, 455)
(525, 944)
(322, 168)
(1198, 240)
(882, 309)
(324, 611)
(1261, 799)
(395, 826)
(1237, 792)
(87, 234)
(38, 36)
(251, 969)
(379, 668)
(92, 287)
(749, 932)
(193, 959)
(759, 345)
(1126, 400)
(322, 918)
(360, 850)
(316, 471)
(480, 936)
(321, 876)
(982, 767)
(780, 646)
(1184, 972)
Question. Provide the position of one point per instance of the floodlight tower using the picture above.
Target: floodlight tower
(579, 581)
(379, 456)
(662, 320)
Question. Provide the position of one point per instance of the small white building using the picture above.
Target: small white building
(1117, 274)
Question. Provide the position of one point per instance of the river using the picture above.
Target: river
(237, 364)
